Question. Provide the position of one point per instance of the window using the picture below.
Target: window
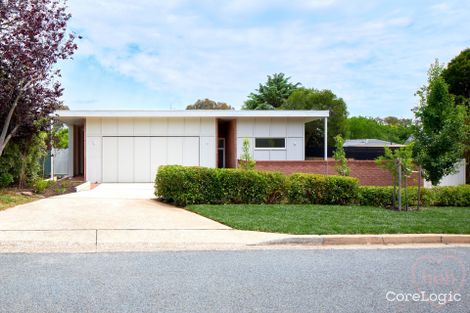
(270, 143)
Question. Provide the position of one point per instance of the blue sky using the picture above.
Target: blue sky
(145, 54)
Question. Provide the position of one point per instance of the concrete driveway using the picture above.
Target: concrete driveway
(113, 217)
(108, 206)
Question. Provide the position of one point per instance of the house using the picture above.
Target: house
(129, 146)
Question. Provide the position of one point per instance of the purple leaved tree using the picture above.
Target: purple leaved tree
(33, 38)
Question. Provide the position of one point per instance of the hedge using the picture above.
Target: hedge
(452, 196)
(383, 195)
(435, 196)
(321, 189)
(199, 185)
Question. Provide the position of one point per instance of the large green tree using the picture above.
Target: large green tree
(440, 129)
(272, 94)
(457, 76)
(389, 128)
(314, 99)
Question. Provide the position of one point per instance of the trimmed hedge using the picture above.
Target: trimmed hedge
(321, 189)
(435, 196)
(382, 196)
(198, 185)
(452, 196)
(184, 185)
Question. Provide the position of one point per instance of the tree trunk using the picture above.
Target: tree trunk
(399, 185)
(5, 136)
(419, 187)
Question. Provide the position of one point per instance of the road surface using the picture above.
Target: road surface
(315, 280)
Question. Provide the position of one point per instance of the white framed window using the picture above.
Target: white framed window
(270, 143)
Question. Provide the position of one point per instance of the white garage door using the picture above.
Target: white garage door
(136, 159)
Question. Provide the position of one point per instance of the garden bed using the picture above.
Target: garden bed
(10, 197)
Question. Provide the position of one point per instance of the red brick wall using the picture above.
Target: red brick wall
(366, 171)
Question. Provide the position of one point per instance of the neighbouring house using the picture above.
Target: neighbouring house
(367, 149)
(129, 146)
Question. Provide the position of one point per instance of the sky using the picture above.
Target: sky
(147, 54)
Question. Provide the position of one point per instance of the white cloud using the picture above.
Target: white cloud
(368, 59)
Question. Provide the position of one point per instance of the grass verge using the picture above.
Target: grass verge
(11, 198)
(325, 219)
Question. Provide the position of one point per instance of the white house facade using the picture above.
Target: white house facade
(129, 146)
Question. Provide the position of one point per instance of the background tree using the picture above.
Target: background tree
(272, 94)
(313, 99)
(391, 128)
(33, 39)
(340, 157)
(440, 129)
(457, 76)
(61, 138)
(208, 104)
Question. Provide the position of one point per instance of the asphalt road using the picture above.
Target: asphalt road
(237, 281)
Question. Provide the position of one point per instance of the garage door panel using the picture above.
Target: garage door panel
(125, 159)
(158, 146)
(175, 150)
(136, 159)
(110, 159)
(191, 151)
(142, 170)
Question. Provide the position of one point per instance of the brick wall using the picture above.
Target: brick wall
(366, 171)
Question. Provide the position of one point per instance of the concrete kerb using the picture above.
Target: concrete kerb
(331, 240)
(96, 240)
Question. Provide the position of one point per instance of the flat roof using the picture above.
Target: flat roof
(365, 142)
(73, 116)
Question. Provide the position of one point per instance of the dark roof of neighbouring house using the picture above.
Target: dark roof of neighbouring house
(370, 143)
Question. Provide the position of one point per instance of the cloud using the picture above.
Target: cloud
(372, 55)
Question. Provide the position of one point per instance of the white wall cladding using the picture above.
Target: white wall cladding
(293, 129)
(121, 149)
(131, 149)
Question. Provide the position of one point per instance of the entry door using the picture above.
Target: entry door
(221, 153)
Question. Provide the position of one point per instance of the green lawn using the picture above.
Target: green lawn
(323, 219)
(10, 198)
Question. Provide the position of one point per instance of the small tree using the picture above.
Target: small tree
(246, 160)
(440, 129)
(399, 163)
(340, 157)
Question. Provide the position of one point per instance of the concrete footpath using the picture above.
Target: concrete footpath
(126, 217)
(103, 240)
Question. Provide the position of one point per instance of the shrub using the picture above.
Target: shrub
(320, 189)
(198, 185)
(241, 186)
(40, 185)
(382, 196)
(246, 160)
(6, 179)
(375, 196)
(452, 195)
